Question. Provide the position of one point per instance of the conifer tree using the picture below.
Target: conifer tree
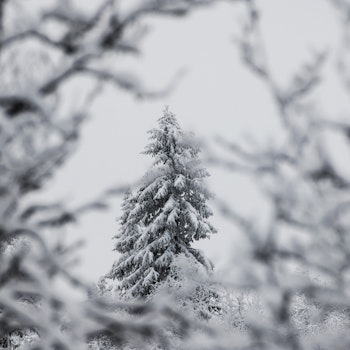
(167, 213)
(126, 238)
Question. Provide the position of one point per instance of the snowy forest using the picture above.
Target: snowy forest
(175, 174)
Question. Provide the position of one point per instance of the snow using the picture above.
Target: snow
(180, 182)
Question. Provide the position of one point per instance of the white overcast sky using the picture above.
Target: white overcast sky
(218, 95)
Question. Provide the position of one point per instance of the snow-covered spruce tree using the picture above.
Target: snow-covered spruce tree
(126, 238)
(167, 213)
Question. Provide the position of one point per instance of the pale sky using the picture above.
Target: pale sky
(217, 96)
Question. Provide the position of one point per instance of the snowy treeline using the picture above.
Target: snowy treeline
(289, 289)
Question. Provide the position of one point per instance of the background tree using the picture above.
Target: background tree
(169, 213)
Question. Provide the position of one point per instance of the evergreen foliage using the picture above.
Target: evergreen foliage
(167, 213)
